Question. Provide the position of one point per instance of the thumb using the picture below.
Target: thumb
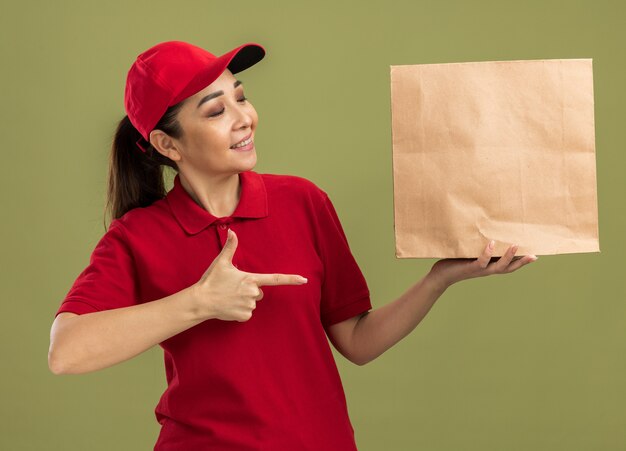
(230, 246)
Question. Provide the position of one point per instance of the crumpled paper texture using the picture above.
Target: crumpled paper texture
(501, 150)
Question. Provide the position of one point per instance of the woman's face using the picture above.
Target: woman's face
(213, 120)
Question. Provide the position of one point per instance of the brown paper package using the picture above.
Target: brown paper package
(494, 150)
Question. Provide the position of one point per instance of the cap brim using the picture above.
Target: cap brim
(236, 60)
(243, 57)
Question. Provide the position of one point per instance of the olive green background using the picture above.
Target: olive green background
(534, 360)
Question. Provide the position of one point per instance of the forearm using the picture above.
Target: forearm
(383, 327)
(93, 341)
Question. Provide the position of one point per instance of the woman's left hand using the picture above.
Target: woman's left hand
(451, 270)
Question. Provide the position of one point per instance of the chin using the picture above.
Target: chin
(248, 164)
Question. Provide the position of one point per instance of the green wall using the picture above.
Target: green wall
(533, 360)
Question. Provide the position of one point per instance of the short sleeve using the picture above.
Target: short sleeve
(344, 290)
(109, 281)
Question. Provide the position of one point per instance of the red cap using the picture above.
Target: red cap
(170, 72)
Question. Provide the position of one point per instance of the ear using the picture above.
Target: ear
(164, 144)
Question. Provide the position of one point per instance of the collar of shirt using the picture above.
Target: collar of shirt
(193, 218)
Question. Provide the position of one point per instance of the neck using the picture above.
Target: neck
(219, 195)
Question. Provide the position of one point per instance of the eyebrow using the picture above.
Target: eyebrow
(216, 93)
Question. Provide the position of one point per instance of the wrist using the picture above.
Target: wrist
(197, 307)
(437, 282)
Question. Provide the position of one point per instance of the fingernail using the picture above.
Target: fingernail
(303, 279)
(491, 244)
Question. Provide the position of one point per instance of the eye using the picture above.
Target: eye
(217, 114)
(243, 99)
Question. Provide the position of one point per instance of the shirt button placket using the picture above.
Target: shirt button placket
(222, 231)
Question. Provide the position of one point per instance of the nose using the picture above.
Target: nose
(243, 117)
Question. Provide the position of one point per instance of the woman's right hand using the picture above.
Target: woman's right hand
(224, 292)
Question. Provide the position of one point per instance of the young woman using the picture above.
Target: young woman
(186, 269)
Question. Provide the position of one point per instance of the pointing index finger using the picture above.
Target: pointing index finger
(278, 279)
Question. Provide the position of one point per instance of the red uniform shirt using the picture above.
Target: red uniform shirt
(269, 383)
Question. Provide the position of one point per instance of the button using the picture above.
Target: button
(222, 226)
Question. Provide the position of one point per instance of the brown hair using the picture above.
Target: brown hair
(135, 177)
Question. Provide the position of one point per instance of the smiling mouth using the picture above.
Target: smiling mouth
(243, 142)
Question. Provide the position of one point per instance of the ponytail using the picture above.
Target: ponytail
(135, 177)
